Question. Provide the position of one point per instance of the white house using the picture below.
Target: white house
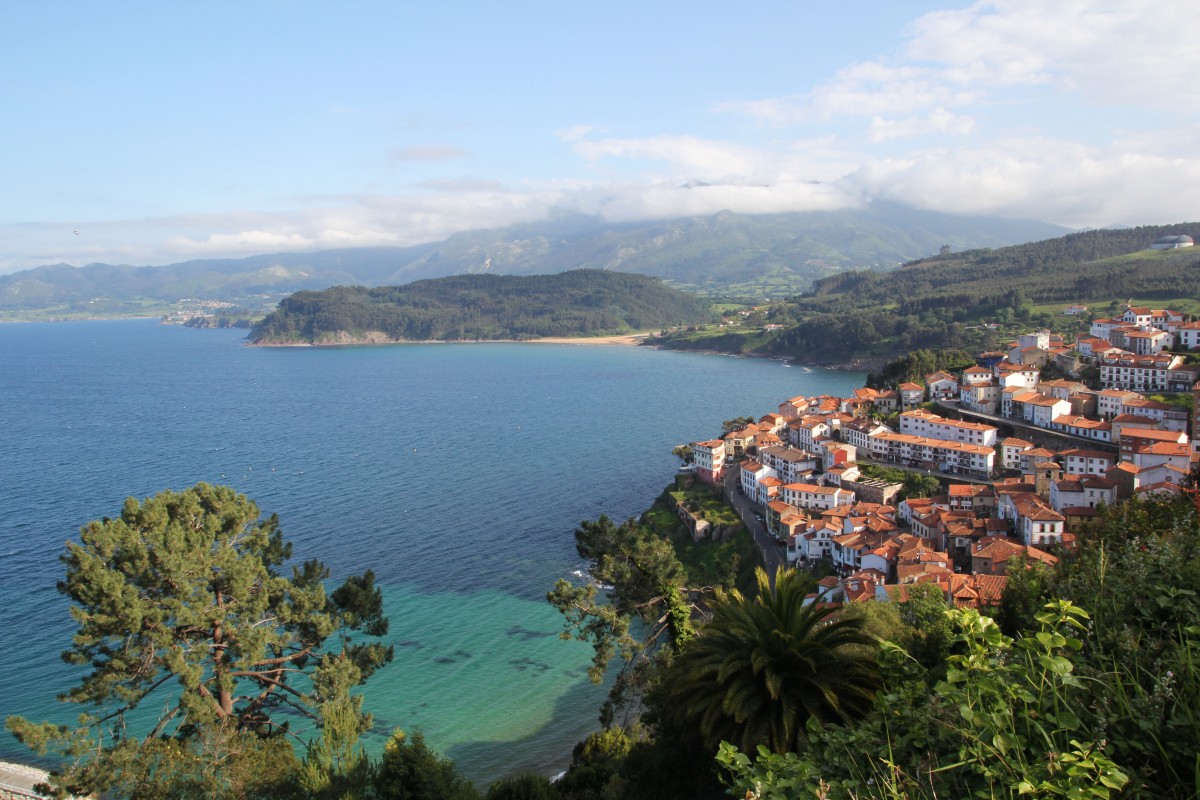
(1086, 491)
(812, 496)
(919, 422)
(982, 398)
(789, 463)
(949, 456)
(1189, 335)
(1009, 375)
(1157, 373)
(976, 375)
(1110, 401)
(857, 433)
(1094, 429)
(1033, 407)
(1035, 522)
(804, 432)
(752, 477)
(942, 386)
(1169, 417)
(709, 458)
(1010, 452)
(1148, 342)
(1087, 462)
(911, 394)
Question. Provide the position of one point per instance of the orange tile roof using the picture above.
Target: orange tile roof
(1153, 433)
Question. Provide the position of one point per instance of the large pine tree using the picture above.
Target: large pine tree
(183, 613)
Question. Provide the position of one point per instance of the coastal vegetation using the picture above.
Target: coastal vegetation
(212, 674)
(762, 667)
(204, 659)
(1083, 684)
(913, 484)
(482, 307)
(914, 366)
(657, 572)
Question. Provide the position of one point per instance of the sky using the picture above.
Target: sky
(153, 132)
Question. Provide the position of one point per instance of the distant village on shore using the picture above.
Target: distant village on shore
(1026, 451)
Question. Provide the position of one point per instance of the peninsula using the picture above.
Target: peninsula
(576, 304)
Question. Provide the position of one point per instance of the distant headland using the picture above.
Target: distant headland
(580, 305)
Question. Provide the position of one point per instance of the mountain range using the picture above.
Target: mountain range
(758, 255)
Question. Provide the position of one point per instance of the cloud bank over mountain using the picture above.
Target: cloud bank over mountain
(1081, 113)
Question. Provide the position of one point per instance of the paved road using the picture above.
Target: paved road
(19, 780)
(954, 405)
(771, 550)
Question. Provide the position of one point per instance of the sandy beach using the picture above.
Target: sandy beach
(376, 337)
(628, 339)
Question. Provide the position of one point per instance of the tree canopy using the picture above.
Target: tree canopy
(588, 302)
(183, 614)
(762, 666)
(940, 303)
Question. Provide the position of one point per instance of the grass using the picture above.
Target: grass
(1100, 308)
(708, 563)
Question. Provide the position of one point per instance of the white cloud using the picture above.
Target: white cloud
(937, 121)
(574, 133)
(1129, 51)
(667, 200)
(432, 215)
(874, 88)
(1052, 180)
(463, 185)
(691, 155)
(1105, 52)
(428, 153)
(1080, 112)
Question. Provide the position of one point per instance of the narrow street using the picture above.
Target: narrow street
(1021, 426)
(17, 780)
(773, 557)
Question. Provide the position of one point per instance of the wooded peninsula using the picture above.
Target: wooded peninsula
(585, 302)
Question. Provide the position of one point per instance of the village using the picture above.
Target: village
(1025, 451)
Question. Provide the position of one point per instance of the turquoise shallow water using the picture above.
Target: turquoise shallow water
(456, 472)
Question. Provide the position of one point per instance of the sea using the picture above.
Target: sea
(457, 472)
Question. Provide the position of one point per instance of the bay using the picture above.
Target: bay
(458, 472)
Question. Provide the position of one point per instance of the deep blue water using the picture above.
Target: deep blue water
(457, 472)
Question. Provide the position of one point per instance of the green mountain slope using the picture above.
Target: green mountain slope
(942, 302)
(1088, 265)
(728, 250)
(471, 307)
(767, 255)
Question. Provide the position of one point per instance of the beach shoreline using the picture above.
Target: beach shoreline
(626, 340)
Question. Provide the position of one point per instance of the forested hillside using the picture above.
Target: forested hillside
(945, 301)
(1037, 269)
(766, 255)
(473, 307)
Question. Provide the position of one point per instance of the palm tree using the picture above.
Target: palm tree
(761, 668)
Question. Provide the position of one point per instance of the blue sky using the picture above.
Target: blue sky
(166, 131)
